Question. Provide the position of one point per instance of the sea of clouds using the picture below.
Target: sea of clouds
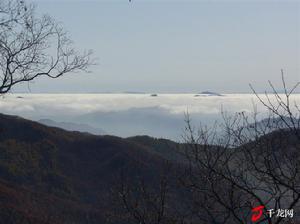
(131, 114)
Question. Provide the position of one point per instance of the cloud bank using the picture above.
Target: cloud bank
(129, 114)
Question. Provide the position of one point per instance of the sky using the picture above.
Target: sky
(178, 46)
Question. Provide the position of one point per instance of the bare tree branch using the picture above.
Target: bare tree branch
(32, 46)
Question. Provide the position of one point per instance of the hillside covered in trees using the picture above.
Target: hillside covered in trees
(48, 175)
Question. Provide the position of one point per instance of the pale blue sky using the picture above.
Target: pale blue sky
(179, 46)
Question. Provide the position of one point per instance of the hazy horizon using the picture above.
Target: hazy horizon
(153, 92)
(128, 115)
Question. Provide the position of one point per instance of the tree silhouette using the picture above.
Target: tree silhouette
(254, 163)
(235, 166)
(33, 46)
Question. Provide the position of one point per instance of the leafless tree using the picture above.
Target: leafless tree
(33, 46)
(233, 167)
(252, 163)
(141, 201)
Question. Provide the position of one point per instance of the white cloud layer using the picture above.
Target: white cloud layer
(129, 114)
(77, 104)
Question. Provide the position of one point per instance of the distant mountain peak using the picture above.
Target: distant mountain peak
(210, 93)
